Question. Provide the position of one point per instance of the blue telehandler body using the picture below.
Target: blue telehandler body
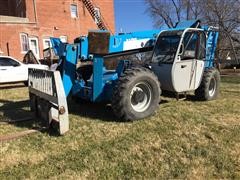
(127, 70)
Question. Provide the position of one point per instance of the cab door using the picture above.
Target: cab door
(189, 64)
(164, 55)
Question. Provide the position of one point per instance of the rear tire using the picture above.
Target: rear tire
(136, 94)
(210, 85)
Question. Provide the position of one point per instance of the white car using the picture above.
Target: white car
(12, 70)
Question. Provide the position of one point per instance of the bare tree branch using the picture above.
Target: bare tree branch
(177, 9)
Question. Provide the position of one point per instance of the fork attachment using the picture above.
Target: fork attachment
(47, 98)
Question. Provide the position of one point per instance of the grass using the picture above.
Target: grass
(185, 139)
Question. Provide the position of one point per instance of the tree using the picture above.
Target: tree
(169, 12)
(164, 12)
(225, 15)
(192, 8)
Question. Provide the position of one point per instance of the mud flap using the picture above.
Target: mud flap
(47, 98)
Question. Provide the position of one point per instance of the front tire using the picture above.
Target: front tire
(210, 85)
(136, 94)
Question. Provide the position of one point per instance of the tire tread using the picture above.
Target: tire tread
(118, 106)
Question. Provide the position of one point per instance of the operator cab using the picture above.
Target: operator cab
(178, 59)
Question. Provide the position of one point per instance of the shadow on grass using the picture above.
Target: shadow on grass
(11, 86)
(98, 111)
(189, 97)
(10, 111)
(14, 110)
(16, 113)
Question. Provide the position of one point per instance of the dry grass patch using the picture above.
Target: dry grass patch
(184, 139)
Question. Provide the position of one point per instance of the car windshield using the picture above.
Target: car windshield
(166, 47)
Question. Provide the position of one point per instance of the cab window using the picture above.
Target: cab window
(193, 46)
(166, 47)
(189, 46)
(202, 47)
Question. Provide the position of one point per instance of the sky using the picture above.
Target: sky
(130, 16)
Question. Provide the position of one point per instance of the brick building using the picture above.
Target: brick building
(28, 24)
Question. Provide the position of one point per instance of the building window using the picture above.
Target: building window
(97, 14)
(74, 10)
(24, 42)
(46, 43)
(64, 39)
(33, 46)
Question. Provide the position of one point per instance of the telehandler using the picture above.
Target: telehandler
(117, 69)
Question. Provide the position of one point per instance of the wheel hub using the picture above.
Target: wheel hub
(212, 87)
(138, 96)
(141, 97)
